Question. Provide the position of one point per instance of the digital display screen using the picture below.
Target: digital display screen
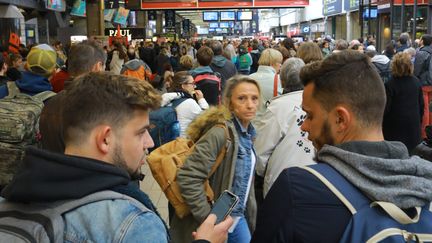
(245, 15)
(211, 16)
(203, 31)
(211, 29)
(231, 24)
(214, 25)
(223, 24)
(373, 13)
(227, 15)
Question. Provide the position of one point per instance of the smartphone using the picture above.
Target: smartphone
(224, 205)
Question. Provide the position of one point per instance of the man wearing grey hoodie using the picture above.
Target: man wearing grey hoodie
(220, 64)
(346, 130)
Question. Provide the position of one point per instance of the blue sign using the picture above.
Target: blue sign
(332, 7)
(350, 5)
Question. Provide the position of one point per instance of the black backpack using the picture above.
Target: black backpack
(255, 58)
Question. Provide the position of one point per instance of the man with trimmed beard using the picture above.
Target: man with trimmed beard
(344, 100)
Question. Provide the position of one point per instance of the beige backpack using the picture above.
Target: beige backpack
(166, 160)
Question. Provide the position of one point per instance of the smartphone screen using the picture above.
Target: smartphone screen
(224, 205)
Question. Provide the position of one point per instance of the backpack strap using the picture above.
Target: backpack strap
(349, 195)
(222, 153)
(44, 95)
(177, 102)
(275, 85)
(209, 76)
(13, 90)
(398, 214)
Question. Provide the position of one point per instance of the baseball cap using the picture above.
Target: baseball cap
(42, 60)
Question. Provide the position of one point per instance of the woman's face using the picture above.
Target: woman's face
(189, 86)
(18, 63)
(244, 102)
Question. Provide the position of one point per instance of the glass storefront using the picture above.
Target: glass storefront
(408, 23)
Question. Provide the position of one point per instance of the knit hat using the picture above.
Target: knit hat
(42, 60)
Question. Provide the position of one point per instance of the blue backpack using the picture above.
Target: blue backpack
(164, 126)
(374, 221)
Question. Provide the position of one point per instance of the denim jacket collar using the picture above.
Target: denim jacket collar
(249, 130)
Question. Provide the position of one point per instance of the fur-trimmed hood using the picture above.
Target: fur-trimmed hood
(206, 120)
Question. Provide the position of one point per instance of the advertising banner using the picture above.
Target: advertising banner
(56, 5)
(79, 8)
(121, 16)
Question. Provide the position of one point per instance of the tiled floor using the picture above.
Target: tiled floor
(150, 186)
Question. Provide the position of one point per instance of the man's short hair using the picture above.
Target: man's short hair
(83, 56)
(427, 39)
(403, 38)
(216, 47)
(103, 98)
(349, 78)
(341, 44)
(204, 56)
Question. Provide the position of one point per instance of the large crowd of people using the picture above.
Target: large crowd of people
(298, 116)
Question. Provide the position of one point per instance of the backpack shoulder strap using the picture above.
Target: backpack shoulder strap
(44, 95)
(210, 76)
(70, 205)
(13, 89)
(275, 85)
(222, 153)
(349, 195)
(177, 102)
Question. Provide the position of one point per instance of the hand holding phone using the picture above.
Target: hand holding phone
(224, 205)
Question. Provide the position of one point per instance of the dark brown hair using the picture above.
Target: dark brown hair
(179, 78)
(103, 98)
(349, 78)
(204, 56)
(309, 52)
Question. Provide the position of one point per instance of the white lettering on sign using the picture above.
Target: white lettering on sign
(122, 33)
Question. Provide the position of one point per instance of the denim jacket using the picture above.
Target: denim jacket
(113, 221)
(243, 167)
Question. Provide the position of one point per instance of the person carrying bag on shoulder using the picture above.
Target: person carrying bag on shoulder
(235, 173)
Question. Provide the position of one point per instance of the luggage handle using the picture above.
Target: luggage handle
(396, 213)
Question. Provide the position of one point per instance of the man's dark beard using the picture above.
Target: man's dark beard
(324, 138)
(120, 162)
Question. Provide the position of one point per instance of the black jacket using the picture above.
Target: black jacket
(404, 111)
(422, 66)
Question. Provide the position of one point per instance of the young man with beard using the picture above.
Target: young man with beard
(344, 99)
(105, 124)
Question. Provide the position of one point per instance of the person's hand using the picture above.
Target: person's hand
(211, 232)
(199, 94)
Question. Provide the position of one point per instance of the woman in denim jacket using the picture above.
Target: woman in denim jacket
(235, 173)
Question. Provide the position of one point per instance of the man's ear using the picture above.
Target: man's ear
(342, 118)
(98, 67)
(104, 139)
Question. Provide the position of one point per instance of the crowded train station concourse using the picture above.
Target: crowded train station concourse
(212, 121)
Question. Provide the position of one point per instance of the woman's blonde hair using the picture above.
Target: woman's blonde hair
(270, 57)
(186, 61)
(401, 65)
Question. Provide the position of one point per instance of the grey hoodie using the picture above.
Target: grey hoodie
(383, 171)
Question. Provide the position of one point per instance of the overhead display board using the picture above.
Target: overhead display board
(212, 4)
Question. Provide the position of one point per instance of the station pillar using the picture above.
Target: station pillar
(95, 20)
